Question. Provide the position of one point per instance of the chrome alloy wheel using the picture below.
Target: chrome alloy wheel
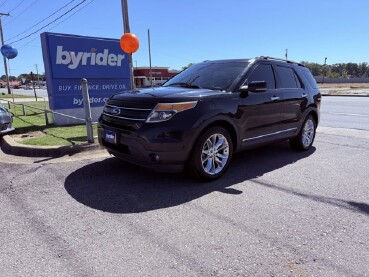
(308, 133)
(215, 154)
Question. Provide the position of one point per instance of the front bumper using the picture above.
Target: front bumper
(158, 156)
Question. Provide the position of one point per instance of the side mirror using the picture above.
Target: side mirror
(257, 86)
(254, 86)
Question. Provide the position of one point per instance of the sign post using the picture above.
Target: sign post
(86, 104)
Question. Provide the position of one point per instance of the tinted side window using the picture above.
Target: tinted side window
(288, 77)
(298, 82)
(309, 77)
(263, 72)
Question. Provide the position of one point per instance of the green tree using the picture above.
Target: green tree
(187, 66)
(363, 69)
(338, 69)
(11, 78)
(23, 76)
(315, 68)
(352, 70)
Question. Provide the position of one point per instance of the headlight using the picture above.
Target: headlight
(165, 111)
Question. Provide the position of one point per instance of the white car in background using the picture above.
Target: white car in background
(6, 121)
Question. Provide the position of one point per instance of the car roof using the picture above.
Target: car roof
(260, 58)
(228, 60)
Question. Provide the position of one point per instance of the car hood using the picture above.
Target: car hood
(167, 92)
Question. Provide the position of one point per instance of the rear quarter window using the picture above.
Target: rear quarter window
(287, 77)
(309, 77)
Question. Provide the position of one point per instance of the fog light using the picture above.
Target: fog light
(154, 157)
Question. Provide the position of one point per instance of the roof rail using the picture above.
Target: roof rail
(277, 59)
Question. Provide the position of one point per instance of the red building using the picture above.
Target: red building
(159, 75)
(13, 84)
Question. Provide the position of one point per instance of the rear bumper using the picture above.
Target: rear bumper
(161, 157)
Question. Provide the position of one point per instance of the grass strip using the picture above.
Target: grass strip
(60, 136)
(33, 125)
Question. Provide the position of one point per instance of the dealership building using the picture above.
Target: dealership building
(159, 75)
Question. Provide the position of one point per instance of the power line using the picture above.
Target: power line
(3, 3)
(22, 12)
(58, 23)
(72, 14)
(50, 22)
(16, 6)
(38, 23)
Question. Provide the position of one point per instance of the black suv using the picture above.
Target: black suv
(200, 117)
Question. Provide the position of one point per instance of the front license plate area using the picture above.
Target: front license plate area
(111, 137)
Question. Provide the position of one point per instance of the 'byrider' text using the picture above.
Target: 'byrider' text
(73, 59)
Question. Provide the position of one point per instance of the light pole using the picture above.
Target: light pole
(127, 30)
(325, 63)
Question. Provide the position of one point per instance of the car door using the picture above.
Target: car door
(295, 98)
(261, 110)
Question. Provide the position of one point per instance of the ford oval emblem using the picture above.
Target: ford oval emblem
(115, 111)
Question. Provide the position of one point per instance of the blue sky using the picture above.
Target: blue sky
(195, 30)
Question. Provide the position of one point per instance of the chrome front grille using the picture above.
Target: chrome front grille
(131, 111)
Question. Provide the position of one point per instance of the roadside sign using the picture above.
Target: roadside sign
(69, 58)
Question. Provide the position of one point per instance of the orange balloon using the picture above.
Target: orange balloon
(129, 43)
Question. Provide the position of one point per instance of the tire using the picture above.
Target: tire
(211, 154)
(304, 140)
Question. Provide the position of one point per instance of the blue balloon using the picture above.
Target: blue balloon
(9, 51)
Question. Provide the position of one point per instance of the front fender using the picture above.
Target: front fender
(219, 119)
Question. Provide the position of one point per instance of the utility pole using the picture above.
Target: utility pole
(127, 29)
(148, 36)
(2, 43)
(38, 77)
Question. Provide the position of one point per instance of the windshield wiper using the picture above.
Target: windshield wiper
(183, 84)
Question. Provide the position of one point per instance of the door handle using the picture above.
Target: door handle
(274, 98)
(304, 95)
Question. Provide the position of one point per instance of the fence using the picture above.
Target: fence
(86, 104)
(320, 79)
(45, 111)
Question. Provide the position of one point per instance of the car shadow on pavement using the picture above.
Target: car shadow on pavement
(118, 187)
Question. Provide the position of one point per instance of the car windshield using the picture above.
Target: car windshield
(209, 75)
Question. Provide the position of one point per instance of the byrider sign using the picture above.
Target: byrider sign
(68, 58)
(74, 60)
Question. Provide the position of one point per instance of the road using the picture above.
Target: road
(27, 92)
(345, 112)
(276, 212)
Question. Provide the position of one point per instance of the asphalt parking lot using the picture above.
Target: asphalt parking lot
(276, 212)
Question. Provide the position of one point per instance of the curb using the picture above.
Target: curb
(10, 147)
(346, 95)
